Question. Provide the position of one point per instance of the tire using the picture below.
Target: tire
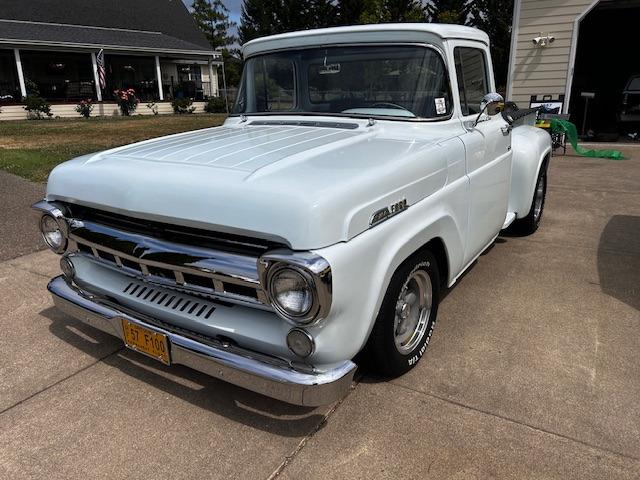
(395, 346)
(529, 224)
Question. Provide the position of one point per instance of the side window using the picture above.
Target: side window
(274, 81)
(473, 84)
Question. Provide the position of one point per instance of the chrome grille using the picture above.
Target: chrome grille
(227, 276)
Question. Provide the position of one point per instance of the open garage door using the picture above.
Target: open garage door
(607, 57)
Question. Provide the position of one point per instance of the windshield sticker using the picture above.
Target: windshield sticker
(441, 105)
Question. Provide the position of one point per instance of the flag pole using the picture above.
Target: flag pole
(224, 85)
(96, 76)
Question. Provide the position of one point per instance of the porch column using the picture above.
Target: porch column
(159, 76)
(23, 87)
(213, 80)
(96, 79)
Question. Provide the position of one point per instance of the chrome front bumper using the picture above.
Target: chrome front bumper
(260, 373)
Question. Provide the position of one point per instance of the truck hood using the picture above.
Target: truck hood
(306, 184)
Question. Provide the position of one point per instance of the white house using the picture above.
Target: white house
(153, 46)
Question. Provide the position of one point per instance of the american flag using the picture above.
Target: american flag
(101, 70)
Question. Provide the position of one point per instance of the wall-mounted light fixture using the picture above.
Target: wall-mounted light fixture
(543, 40)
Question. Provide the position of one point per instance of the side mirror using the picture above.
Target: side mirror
(491, 104)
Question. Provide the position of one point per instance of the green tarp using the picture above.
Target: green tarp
(569, 129)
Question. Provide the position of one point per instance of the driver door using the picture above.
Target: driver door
(488, 149)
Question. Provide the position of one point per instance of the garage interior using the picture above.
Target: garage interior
(607, 55)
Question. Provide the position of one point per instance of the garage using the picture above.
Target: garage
(577, 57)
(607, 57)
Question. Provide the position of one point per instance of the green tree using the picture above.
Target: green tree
(212, 18)
(232, 68)
(267, 17)
(349, 12)
(449, 11)
(495, 17)
(385, 11)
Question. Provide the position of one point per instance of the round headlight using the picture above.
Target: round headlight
(291, 292)
(52, 234)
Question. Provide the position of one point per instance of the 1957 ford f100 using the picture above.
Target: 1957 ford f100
(362, 170)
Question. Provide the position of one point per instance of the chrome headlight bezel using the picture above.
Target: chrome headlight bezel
(315, 271)
(51, 211)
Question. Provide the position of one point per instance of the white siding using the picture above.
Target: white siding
(534, 70)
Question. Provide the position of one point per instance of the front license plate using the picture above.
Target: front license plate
(146, 341)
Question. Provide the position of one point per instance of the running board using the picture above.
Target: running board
(511, 216)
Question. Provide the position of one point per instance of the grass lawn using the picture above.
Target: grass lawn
(31, 148)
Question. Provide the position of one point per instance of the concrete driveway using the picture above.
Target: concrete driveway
(532, 372)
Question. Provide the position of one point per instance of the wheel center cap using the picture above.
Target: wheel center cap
(405, 310)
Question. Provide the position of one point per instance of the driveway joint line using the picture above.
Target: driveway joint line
(27, 270)
(612, 251)
(568, 188)
(289, 458)
(24, 254)
(518, 422)
(58, 382)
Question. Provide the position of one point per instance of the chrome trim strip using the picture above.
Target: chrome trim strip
(254, 371)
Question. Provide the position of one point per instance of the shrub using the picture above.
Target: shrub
(84, 108)
(37, 107)
(183, 105)
(32, 87)
(215, 105)
(127, 101)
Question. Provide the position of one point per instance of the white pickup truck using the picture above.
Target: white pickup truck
(362, 170)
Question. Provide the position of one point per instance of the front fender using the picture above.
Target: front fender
(530, 146)
(362, 267)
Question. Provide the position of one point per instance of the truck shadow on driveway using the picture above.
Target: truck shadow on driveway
(221, 398)
(619, 259)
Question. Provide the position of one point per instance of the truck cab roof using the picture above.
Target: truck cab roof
(432, 33)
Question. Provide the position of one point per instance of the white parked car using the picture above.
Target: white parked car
(362, 170)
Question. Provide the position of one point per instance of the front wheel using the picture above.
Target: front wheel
(407, 317)
(530, 223)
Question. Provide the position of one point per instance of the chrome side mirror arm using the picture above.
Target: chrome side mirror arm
(489, 102)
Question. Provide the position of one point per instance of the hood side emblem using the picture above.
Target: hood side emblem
(385, 213)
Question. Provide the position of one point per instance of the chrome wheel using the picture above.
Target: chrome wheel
(413, 309)
(538, 200)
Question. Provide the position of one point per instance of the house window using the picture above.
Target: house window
(138, 73)
(189, 82)
(9, 88)
(58, 75)
(473, 83)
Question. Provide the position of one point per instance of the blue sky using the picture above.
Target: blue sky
(232, 5)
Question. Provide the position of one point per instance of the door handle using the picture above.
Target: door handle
(506, 130)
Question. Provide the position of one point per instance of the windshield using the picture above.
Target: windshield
(390, 81)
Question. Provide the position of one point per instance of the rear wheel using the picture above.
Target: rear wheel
(407, 317)
(530, 223)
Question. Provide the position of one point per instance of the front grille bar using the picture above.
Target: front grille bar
(225, 275)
